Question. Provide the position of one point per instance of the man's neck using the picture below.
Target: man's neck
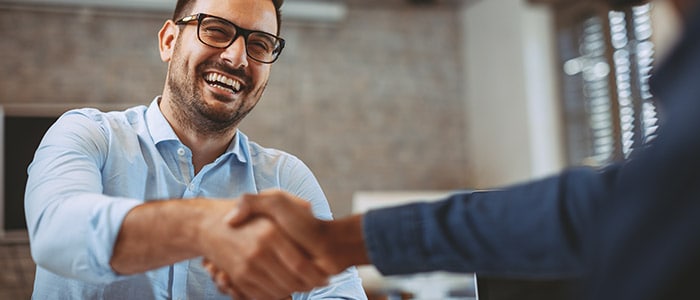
(205, 145)
(206, 149)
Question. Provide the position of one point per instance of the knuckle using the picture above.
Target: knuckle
(300, 264)
(256, 251)
(268, 232)
(240, 272)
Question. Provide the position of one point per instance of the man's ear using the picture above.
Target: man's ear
(166, 40)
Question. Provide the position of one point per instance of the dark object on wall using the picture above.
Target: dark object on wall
(22, 137)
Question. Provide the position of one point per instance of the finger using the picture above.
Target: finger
(285, 209)
(208, 265)
(287, 265)
(273, 203)
(309, 275)
(226, 286)
(246, 208)
(259, 286)
(233, 291)
(266, 276)
(290, 276)
(223, 282)
(220, 279)
(239, 214)
(295, 218)
(211, 269)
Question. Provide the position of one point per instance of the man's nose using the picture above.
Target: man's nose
(236, 53)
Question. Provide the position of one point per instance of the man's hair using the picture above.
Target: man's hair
(625, 3)
(183, 7)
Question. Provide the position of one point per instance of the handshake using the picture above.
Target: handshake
(283, 249)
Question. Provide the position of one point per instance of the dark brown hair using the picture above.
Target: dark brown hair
(183, 6)
(620, 4)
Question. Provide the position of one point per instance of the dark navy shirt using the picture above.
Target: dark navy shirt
(628, 231)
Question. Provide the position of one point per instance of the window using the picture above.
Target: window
(606, 57)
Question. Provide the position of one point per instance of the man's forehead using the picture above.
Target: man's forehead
(251, 14)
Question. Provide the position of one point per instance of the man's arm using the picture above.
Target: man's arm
(261, 261)
(102, 236)
(143, 244)
(533, 230)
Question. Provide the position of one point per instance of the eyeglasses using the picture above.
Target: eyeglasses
(220, 33)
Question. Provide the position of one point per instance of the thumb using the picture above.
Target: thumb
(239, 214)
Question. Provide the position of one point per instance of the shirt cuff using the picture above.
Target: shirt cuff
(394, 238)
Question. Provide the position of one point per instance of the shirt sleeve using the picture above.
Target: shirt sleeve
(297, 179)
(533, 230)
(72, 225)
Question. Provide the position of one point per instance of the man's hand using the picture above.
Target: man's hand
(257, 260)
(260, 261)
(332, 245)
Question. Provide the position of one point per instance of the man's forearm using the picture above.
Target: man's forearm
(261, 261)
(345, 242)
(161, 233)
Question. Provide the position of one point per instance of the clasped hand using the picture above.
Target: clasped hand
(283, 249)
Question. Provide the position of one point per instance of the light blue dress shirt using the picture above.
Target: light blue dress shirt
(92, 167)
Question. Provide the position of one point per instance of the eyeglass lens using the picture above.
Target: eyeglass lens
(218, 33)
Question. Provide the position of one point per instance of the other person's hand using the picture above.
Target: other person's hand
(257, 260)
(332, 245)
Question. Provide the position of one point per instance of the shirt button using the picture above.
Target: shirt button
(181, 151)
(191, 187)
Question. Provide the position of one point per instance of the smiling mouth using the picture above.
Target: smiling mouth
(223, 82)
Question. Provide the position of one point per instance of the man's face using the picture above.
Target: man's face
(212, 90)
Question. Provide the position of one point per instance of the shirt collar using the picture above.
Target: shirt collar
(161, 131)
(158, 126)
(238, 147)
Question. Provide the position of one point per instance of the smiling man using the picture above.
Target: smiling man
(124, 205)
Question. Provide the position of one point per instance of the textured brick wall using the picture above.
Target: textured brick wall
(373, 103)
(82, 56)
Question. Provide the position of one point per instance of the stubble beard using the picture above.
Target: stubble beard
(190, 109)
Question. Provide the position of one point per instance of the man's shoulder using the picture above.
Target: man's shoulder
(129, 115)
(262, 155)
(257, 150)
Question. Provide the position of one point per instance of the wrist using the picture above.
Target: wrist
(208, 216)
(344, 242)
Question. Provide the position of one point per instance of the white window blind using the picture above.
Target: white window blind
(606, 57)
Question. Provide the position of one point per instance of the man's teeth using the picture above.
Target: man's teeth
(224, 82)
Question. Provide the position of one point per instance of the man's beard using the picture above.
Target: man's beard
(190, 109)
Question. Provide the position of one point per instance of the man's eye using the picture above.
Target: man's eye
(259, 46)
(217, 33)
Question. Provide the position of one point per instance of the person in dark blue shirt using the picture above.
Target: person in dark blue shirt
(627, 231)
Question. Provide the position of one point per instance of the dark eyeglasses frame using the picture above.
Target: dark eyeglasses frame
(240, 31)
